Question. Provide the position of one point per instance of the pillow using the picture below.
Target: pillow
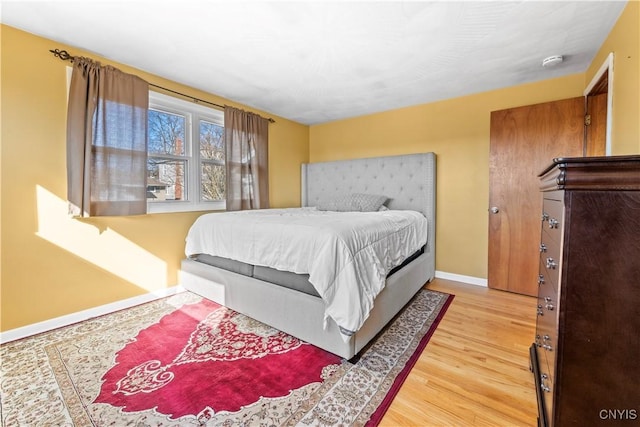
(368, 202)
(355, 202)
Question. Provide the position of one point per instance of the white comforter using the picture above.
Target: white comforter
(346, 254)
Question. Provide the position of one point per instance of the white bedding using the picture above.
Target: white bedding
(346, 254)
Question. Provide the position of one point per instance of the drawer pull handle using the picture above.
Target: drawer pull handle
(543, 247)
(548, 303)
(543, 386)
(551, 264)
(553, 223)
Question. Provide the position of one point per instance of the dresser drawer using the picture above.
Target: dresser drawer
(552, 218)
(546, 340)
(547, 317)
(550, 258)
(547, 384)
(544, 385)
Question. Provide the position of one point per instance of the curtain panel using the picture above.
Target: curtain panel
(106, 141)
(246, 138)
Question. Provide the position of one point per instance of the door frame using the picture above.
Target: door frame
(606, 67)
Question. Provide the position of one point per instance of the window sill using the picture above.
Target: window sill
(171, 207)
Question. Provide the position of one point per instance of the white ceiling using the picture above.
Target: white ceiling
(318, 61)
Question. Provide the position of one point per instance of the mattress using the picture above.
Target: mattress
(287, 279)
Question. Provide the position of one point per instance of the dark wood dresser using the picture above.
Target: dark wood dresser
(586, 354)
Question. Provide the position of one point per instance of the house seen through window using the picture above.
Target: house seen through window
(186, 156)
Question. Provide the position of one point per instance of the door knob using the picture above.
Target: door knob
(495, 210)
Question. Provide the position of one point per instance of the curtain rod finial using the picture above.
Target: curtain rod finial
(62, 54)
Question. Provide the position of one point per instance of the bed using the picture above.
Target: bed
(408, 181)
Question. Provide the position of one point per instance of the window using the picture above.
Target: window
(186, 164)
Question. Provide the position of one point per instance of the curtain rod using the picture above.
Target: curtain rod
(65, 56)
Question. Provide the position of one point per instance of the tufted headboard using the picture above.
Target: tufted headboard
(408, 180)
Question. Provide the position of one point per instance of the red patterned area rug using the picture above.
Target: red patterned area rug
(186, 361)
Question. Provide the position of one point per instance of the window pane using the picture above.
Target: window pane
(166, 133)
(212, 182)
(211, 141)
(166, 180)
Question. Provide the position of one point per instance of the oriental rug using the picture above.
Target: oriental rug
(187, 361)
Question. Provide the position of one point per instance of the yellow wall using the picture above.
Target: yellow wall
(624, 42)
(53, 265)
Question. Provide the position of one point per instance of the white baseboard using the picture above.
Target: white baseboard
(478, 281)
(58, 322)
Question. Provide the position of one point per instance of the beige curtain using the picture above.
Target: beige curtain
(106, 141)
(246, 138)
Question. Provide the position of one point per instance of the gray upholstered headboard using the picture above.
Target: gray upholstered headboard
(408, 180)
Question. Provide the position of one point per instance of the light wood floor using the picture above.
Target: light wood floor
(475, 368)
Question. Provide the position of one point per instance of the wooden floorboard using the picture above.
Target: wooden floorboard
(475, 369)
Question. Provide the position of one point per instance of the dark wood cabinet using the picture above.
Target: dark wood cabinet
(586, 354)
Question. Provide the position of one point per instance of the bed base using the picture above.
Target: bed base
(300, 314)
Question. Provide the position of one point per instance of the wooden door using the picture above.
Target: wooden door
(596, 125)
(596, 117)
(523, 141)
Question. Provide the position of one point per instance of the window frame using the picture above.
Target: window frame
(194, 113)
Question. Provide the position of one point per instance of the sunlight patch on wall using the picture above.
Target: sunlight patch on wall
(108, 249)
